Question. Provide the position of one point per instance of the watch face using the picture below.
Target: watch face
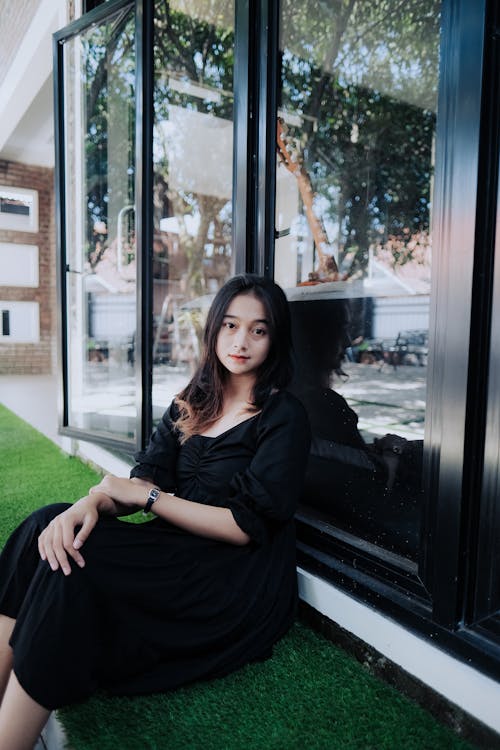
(153, 495)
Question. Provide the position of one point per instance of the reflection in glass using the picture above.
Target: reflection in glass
(192, 154)
(363, 474)
(99, 75)
(355, 154)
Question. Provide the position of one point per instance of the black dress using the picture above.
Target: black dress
(156, 607)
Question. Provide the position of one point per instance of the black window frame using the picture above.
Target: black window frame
(481, 606)
(98, 15)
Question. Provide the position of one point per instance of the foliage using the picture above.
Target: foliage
(192, 49)
(363, 78)
(108, 70)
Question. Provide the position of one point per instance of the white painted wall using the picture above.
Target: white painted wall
(391, 315)
(26, 123)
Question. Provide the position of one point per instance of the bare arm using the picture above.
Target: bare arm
(204, 520)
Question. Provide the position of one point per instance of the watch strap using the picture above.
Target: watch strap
(153, 495)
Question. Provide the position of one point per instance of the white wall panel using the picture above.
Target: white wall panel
(22, 319)
(18, 264)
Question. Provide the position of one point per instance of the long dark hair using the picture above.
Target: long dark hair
(201, 401)
(320, 331)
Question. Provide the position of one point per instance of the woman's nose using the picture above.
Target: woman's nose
(241, 339)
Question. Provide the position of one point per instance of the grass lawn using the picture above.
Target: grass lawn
(311, 694)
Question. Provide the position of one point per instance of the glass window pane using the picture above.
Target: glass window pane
(355, 142)
(99, 91)
(193, 164)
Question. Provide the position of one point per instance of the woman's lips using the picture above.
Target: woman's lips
(239, 357)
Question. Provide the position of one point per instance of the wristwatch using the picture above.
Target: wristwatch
(153, 496)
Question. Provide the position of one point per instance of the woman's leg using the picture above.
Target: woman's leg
(6, 656)
(19, 560)
(21, 718)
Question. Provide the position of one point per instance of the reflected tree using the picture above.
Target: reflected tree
(194, 59)
(108, 79)
(363, 78)
(188, 51)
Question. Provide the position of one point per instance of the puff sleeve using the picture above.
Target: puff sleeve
(158, 461)
(264, 496)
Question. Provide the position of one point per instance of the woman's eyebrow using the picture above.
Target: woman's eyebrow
(257, 320)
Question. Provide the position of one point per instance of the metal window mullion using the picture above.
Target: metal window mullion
(242, 151)
(265, 179)
(262, 159)
(455, 199)
(60, 229)
(144, 218)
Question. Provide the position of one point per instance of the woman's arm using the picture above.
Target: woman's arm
(204, 520)
(58, 541)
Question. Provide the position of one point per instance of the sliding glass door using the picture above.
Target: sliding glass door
(98, 190)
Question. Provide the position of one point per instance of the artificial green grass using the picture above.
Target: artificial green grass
(35, 472)
(310, 695)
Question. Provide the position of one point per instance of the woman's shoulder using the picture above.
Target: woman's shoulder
(174, 410)
(169, 418)
(284, 406)
(283, 425)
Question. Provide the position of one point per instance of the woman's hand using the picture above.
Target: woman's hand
(58, 540)
(129, 493)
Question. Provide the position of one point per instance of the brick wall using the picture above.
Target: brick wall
(33, 358)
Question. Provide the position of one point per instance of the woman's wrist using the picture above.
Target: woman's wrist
(154, 494)
(101, 502)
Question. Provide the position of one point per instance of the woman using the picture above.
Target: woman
(209, 584)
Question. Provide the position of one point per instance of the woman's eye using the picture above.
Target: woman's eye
(228, 324)
(260, 331)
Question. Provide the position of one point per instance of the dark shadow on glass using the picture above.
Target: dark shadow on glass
(372, 489)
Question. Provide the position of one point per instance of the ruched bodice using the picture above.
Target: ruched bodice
(206, 465)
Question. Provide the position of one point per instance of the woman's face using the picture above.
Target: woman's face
(243, 341)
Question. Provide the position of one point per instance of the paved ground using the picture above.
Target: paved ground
(387, 399)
